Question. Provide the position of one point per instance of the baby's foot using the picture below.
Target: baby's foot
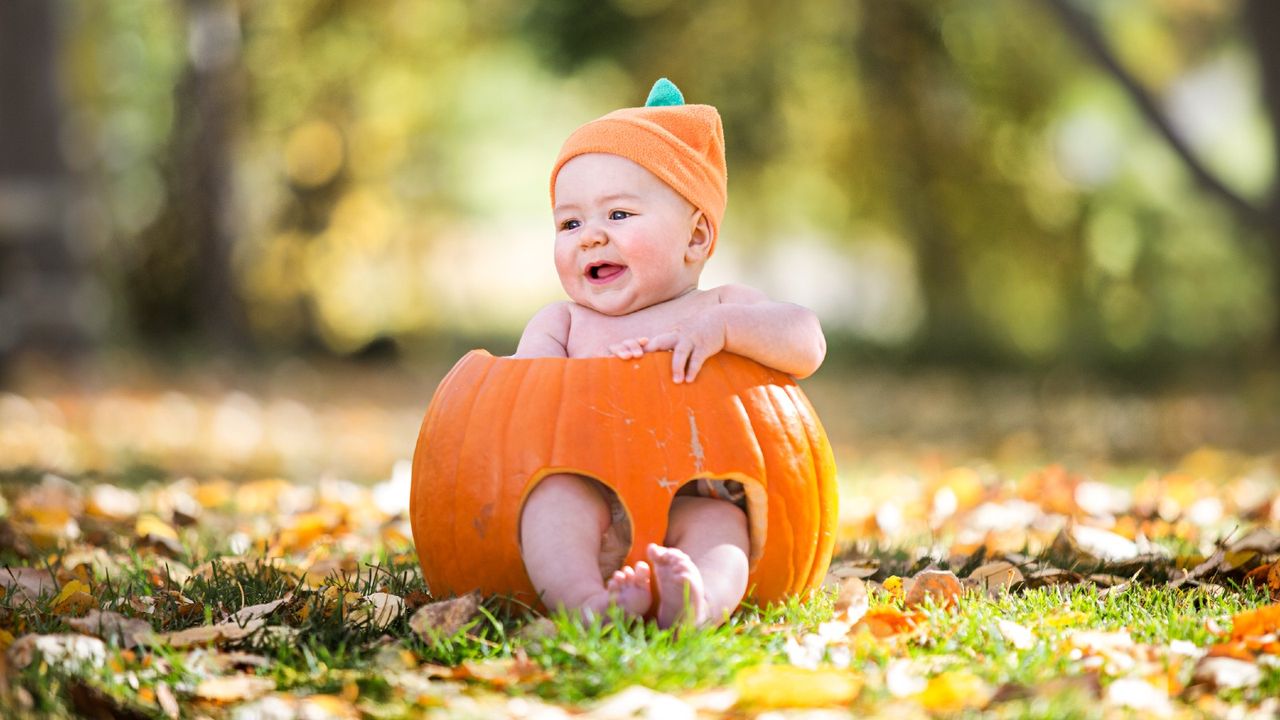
(629, 589)
(681, 596)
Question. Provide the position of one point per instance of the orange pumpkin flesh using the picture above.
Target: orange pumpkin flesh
(496, 426)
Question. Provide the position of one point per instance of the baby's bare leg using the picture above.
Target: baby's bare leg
(561, 526)
(702, 574)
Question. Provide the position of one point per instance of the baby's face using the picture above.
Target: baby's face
(622, 235)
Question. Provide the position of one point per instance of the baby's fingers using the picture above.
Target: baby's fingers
(665, 341)
(680, 359)
(696, 359)
(628, 349)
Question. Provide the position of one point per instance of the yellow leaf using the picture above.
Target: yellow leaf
(152, 525)
(779, 686)
(955, 691)
(73, 599)
(893, 585)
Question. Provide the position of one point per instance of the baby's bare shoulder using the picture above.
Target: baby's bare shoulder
(547, 333)
(739, 294)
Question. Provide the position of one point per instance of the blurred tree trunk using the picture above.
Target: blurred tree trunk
(42, 279)
(1261, 19)
(186, 287)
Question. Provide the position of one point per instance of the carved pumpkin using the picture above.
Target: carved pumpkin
(496, 426)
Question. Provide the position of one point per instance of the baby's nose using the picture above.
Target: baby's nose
(594, 236)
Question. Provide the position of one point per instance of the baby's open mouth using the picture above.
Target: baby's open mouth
(604, 272)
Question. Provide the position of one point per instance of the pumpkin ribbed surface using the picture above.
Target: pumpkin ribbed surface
(498, 425)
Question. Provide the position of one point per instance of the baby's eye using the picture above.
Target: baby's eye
(569, 224)
(620, 215)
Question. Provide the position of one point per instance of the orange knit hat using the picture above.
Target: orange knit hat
(683, 145)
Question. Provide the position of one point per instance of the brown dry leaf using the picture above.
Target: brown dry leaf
(1085, 544)
(996, 577)
(952, 692)
(27, 583)
(234, 689)
(112, 627)
(207, 634)
(261, 610)
(788, 686)
(852, 602)
(503, 672)
(941, 585)
(380, 609)
(446, 617)
(862, 569)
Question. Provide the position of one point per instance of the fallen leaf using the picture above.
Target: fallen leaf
(861, 569)
(503, 672)
(208, 634)
(380, 610)
(446, 617)
(893, 585)
(255, 612)
(1140, 695)
(1224, 673)
(68, 650)
(955, 691)
(638, 701)
(1016, 635)
(234, 689)
(1237, 649)
(167, 701)
(787, 686)
(112, 627)
(852, 602)
(1259, 621)
(112, 503)
(996, 577)
(941, 585)
(1082, 543)
(26, 583)
(73, 600)
(904, 678)
(886, 621)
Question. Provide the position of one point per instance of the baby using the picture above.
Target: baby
(638, 196)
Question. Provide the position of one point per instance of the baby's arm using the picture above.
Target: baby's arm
(783, 336)
(547, 334)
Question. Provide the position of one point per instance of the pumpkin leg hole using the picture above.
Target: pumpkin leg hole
(747, 495)
(615, 540)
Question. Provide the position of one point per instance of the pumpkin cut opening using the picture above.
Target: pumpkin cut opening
(748, 494)
(615, 544)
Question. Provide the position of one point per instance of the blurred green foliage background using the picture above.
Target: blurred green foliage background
(1014, 182)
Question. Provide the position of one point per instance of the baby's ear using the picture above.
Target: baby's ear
(700, 238)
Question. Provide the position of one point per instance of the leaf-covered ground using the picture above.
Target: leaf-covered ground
(136, 580)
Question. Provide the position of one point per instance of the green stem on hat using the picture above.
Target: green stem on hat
(664, 92)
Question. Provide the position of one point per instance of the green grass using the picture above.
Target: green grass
(585, 662)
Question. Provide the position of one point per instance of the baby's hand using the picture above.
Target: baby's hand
(694, 340)
(629, 348)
